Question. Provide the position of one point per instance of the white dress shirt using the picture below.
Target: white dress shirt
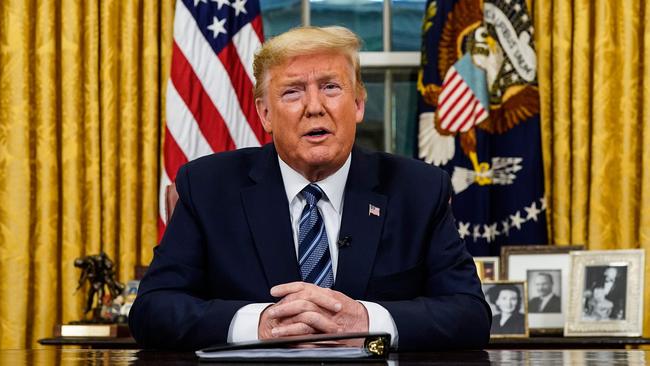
(244, 324)
(545, 300)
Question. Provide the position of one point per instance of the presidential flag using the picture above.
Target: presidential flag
(479, 119)
(210, 104)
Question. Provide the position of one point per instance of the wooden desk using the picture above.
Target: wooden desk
(568, 343)
(91, 342)
(58, 356)
(495, 343)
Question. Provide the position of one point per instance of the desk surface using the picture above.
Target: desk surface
(57, 356)
(497, 343)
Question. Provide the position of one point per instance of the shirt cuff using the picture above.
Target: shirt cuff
(380, 320)
(245, 322)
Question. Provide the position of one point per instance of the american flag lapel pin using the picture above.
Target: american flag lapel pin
(373, 210)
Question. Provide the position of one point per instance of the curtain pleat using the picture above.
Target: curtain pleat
(16, 97)
(72, 186)
(644, 175)
(44, 172)
(151, 113)
(109, 120)
(543, 27)
(560, 109)
(577, 121)
(128, 128)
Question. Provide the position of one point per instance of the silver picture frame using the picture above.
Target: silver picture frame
(606, 293)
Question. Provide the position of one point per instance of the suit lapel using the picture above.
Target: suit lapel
(360, 225)
(267, 211)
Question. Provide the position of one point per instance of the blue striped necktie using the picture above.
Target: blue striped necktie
(313, 247)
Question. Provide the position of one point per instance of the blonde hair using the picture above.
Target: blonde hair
(304, 41)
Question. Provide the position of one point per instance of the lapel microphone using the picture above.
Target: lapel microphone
(344, 242)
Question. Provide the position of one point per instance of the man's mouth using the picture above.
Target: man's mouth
(317, 132)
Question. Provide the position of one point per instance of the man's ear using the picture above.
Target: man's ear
(360, 103)
(263, 112)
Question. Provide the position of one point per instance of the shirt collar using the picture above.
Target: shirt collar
(333, 186)
(547, 297)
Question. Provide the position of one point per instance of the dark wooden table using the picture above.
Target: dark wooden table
(568, 343)
(496, 343)
(77, 357)
(91, 342)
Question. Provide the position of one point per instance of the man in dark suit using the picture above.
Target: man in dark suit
(545, 301)
(310, 234)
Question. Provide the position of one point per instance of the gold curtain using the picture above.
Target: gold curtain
(81, 95)
(594, 78)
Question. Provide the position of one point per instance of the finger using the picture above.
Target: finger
(317, 321)
(322, 297)
(292, 330)
(292, 308)
(287, 288)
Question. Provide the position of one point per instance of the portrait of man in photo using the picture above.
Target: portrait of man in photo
(544, 292)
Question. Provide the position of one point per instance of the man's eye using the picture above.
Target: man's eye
(291, 94)
(331, 89)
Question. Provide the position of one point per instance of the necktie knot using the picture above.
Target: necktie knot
(312, 194)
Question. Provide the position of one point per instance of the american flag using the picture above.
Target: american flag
(210, 104)
(459, 106)
(373, 210)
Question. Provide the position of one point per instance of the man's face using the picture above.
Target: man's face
(543, 285)
(311, 109)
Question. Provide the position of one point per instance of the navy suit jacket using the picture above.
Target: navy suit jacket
(554, 305)
(230, 240)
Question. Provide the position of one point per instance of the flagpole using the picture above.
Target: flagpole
(305, 13)
(388, 81)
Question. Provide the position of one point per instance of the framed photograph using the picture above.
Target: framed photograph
(545, 268)
(487, 268)
(509, 309)
(606, 293)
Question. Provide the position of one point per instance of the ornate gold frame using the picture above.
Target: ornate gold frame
(524, 302)
(507, 251)
(478, 261)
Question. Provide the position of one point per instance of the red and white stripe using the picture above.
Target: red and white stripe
(210, 104)
(458, 108)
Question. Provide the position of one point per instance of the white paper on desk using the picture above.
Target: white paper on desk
(261, 353)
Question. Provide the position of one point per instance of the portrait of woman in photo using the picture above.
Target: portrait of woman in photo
(507, 301)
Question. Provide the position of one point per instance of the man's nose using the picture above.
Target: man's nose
(314, 106)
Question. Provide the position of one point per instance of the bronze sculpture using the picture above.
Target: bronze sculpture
(99, 271)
